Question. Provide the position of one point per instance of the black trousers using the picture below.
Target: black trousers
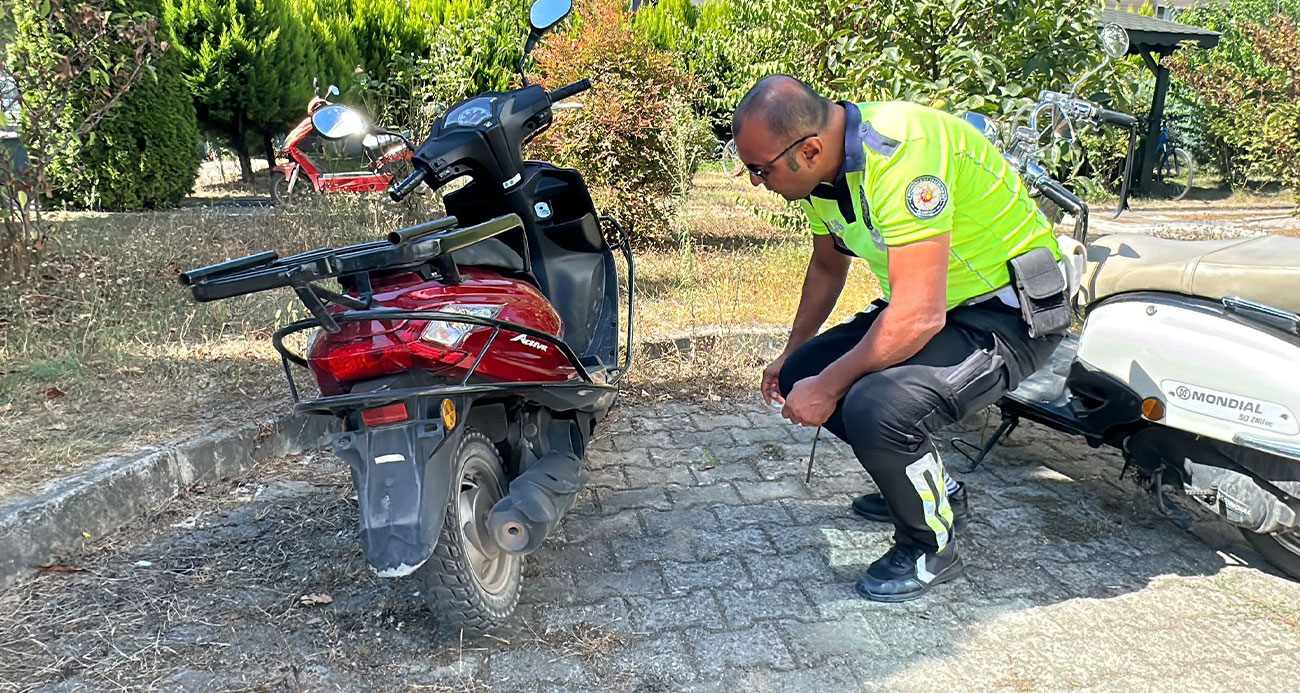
(888, 416)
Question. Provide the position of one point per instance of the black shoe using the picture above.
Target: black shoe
(908, 571)
(873, 507)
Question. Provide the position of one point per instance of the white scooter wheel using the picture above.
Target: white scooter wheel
(1281, 549)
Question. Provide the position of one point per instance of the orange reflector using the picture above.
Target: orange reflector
(1153, 409)
(379, 416)
(448, 414)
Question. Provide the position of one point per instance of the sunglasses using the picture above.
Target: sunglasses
(760, 172)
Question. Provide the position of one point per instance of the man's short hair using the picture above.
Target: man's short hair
(789, 108)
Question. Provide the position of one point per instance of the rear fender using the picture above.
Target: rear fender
(403, 476)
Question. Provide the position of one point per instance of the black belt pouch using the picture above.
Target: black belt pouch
(1040, 288)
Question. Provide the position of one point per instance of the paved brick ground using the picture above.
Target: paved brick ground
(698, 560)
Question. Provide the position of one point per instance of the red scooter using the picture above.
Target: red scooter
(467, 360)
(379, 156)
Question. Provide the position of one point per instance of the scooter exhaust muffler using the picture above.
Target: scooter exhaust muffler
(537, 500)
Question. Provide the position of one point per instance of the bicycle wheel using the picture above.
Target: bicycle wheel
(1174, 175)
(731, 163)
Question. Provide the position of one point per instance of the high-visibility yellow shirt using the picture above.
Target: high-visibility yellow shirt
(912, 172)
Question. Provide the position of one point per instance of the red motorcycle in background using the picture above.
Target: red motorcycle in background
(366, 162)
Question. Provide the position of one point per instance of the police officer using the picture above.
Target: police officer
(936, 213)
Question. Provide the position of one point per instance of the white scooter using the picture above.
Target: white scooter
(1188, 360)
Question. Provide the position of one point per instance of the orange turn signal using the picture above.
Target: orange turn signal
(1153, 409)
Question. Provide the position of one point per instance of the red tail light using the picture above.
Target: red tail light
(379, 354)
(379, 416)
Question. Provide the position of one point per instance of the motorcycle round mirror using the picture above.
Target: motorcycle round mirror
(547, 13)
(1114, 40)
(984, 124)
(337, 122)
(332, 91)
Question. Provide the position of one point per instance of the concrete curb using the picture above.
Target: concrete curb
(48, 526)
(762, 338)
(39, 529)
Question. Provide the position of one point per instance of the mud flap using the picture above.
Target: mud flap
(403, 476)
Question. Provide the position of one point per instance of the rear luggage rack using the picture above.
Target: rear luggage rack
(430, 242)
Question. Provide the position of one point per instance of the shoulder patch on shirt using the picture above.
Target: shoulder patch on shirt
(926, 197)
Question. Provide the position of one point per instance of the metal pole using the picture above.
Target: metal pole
(1153, 126)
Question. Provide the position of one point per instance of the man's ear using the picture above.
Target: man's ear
(812, 151)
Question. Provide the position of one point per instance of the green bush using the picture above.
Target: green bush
(636, 139)
(728, 45)
(1244, 93)
(139, 151)
(459, 48)
(144, 154)
(989, 56)
(249, 64)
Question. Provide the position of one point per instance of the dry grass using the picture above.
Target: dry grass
(1209, 192)
(104, 351)
(220, 179)
(739, 276)
(739, 271)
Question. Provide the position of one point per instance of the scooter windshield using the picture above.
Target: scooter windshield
(345, 155)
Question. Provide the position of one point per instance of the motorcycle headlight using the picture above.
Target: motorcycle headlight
(451, 334)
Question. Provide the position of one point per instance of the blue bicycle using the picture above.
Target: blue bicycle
(1173, 173)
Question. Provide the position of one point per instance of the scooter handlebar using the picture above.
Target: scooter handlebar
(407, 185)
(1116, 118)
(569, 90)
(1058, 193)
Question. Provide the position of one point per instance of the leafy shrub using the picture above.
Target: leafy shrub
(1244, 91)
(145, 155)
(70, 64)
(636, 139)
(728, 45)
(464, 47)
(249, 64)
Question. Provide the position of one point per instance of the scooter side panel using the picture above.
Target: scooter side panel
(1216, 376)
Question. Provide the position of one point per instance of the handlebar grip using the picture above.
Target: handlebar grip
(407, 185)
(1058, 193)
(570, 90)
(1110, 117)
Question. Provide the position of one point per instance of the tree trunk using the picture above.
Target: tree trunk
(245, 161)
(269, 149)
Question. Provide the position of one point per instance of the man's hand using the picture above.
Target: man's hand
(810, 403)
(771, 384)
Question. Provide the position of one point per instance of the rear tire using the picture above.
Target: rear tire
(1281, 549)
(470, 584)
